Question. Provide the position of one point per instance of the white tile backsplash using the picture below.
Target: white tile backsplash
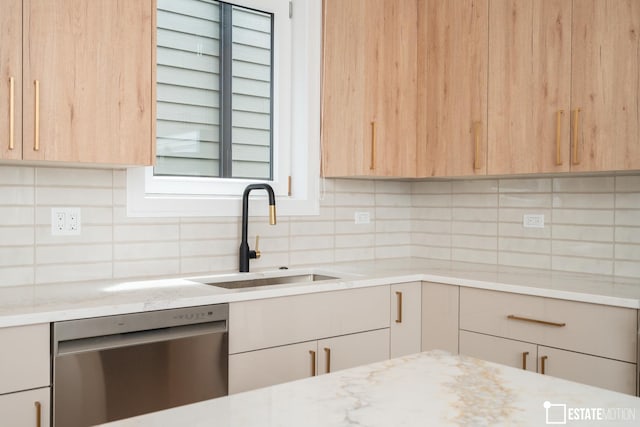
(592, 224)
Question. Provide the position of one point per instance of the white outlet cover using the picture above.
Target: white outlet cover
(533, 221)
(362, 218)
(66, 221)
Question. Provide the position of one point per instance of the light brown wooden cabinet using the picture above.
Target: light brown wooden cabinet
(87, 81)
(368, 88)
(452, 87)
(11, 79)
(529, 86)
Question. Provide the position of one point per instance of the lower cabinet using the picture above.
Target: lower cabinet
(406, 319)
(508, 352)
(26, 408)
(261, 368)
(440, 317)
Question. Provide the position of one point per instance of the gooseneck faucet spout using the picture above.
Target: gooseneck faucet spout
(245, 253)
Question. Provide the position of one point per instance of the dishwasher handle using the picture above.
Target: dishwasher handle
(107, 342)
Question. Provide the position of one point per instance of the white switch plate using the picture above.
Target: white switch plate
(65, 222)
(533, 221)
(362, 218)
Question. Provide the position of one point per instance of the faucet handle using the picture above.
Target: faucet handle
(257, 251)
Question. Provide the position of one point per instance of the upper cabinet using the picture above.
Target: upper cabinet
(87, 80)
(369, 82)
(11, 79)
(605, 87)
(529, 86)
(452, 87)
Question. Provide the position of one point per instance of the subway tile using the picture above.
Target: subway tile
(582, 265)
(78, 272)
(72, 177)
(628, 252)
(302, 243)
(348, 227)
(478, 214)
(583, 217)
(433, 226)
(392, 239)
(17, 195)
(393, 200)
(74, 197)
(475, 228)
(311, 257)
(583, 184)
(119, 178)
(430, 213)
(142, 251)
(88, 216)
(208, 265)
(17, 175)
(208, 231)
(508, 229)
(582, 233)
(146, 269)
(146, 233)
(90, 234)
(393, 226)
(392, 187)
(627, 268)
(355, 241)
(12, 256)
(431, 239)
(70, 254)
(475, 186)
(529, 246)
(270, 261)
(582, 249)
(627, 217)
(17, 215)
(627, 235)
(583, 201)
(354, 254)
(526, 260)
(432, 200)
(516, 215)
(525, 200)
(533, 185)
(628, 201)
(120, 217)
(17, 276)
(475, 200)
(354, 199)
(311, 228)
(474, 255)
(474, 242)
(431, 252)
(208, 248)
(16, 236)
(353, 186)
(382, 252)
(431, 187)
(628, 183)
(348, 214)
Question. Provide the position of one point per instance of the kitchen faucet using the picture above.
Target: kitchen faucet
(245, 253)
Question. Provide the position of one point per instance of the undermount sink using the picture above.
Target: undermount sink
(268, 281)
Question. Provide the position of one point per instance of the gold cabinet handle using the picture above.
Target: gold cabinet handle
(11, 112)
(543, 362)
(541, 322)
(476, 137)
(38, 414)
(327, 352)
(559, 137)
(399, 315)
(524, 359)
(576, 120)
(313, 362)
(256, 250)
(372, 166)
(36, 139)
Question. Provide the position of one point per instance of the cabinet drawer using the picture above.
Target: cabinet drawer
(24, 359)
(20, 409)
(587, 328)
(352, 350)
(518, 354)
(279, 321)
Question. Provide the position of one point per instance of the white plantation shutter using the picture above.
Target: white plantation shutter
(189, 96)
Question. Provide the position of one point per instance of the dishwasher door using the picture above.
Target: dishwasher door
(107, 378)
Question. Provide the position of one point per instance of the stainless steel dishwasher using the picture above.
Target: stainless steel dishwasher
(114, 367)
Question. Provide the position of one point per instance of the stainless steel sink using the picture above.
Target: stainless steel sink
(268, 281)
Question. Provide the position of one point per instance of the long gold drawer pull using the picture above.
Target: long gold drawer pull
(524, 359)
(543, 363)
(399, 315)
(327, 352)
(559, 137)
(476, 149)
(542, 322)
(313, 362)
(11, 112)
(38, 414)
(36, 139)
(372, 166)
(576, 119)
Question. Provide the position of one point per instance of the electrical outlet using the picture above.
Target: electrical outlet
(65, 221)
(533, 221)
(362, 218)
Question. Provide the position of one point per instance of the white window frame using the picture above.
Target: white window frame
(296, 133)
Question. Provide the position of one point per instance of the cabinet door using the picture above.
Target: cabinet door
(440, 317)
(88, 81)
(605, 86)
(508, 352)
(25, 408)
(11, 79)
(591, 370)
(262, 368)
(348, 351)
(406, 319)
(24, 359)
(529, 86)
(452, 85)
(368, 89)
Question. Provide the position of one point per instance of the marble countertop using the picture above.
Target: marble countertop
(56, 302)
(431, 388)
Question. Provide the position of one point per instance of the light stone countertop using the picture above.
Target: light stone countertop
(427, 389)
(25, 305)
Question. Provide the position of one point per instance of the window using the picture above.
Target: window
(181, 185)
(214, 90)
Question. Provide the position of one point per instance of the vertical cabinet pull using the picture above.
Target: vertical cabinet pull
(576, 120)
(313, 362)
(36, 138)
(38, 414)
(524, 359)
(559, 137)
(327, 352)
(543, 362)
(476, 150)
(372, 166)
(11, 112)
(399, 314)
